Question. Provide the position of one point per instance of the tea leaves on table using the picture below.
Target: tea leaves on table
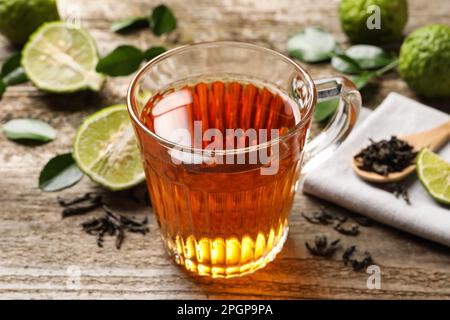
(122, 61)
(312, 44)
(59, 173)
(153, 52)
(130, 24)
(325, 109)
(162, 20)
(29, 129)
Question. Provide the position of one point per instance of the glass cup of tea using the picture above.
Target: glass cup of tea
(223, 129)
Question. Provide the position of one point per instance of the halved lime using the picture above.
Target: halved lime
(434, 173)
(61, 57)
(105, 149)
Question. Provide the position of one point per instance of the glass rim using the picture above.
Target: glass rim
(222, 152)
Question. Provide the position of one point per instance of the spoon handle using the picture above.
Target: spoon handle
(431, 139)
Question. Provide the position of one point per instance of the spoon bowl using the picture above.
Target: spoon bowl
(431, 139)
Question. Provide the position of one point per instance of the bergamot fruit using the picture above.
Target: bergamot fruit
(354, 15)
(19, 18)
(425, 61)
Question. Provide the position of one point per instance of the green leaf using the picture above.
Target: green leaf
(29, 129)
(13, 62)
(153, 52)
(369, 57)
(325, 109)
(12, 72)
(362, 79)
(129, 24)
(59, 173)
(365, 77)
(16, 76)
(345, 64)
(312, 44)
(122, 61)
(2, 87)
(162, 20)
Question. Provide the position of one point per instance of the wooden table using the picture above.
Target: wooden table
(40, 253)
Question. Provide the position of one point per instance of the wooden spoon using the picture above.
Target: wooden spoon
(432, 139)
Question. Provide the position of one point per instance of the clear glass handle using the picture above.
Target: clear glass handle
(322, 147)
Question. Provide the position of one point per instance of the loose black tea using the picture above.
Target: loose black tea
(399, 191)
(80, 205)
(347, 228)
(322, 248)
(89, 196)
(386, 156)
(113, 224)
(362, 220)
(356, 264)
(324, 217)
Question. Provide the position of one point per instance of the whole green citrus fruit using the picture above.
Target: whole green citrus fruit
(359, 17)
(19, 18)
(424, 61)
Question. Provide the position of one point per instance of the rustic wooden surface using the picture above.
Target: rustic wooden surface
(37, 247)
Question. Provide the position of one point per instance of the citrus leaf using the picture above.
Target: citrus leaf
(369, 57)
(162, 20)
(122, 61)
(129, 24)
(312, 44)
(2, 87)
(13, 62)
(59, 173)
(153, 52)
(362, 79)
(325, 109)
(16, 76)
(29, 129)
(345, 64)
(12, 71)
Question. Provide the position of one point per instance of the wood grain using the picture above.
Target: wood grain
(37, 247)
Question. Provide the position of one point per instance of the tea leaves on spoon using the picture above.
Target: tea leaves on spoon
(12, 72)
(59, 173)
(130, 24)
(162, 20)
(153, 52)
(29, 129)
(122, 61)
(312, 44)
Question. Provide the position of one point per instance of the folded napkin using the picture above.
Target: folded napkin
(335, 180)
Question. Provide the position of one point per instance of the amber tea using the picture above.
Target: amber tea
(222, 219)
